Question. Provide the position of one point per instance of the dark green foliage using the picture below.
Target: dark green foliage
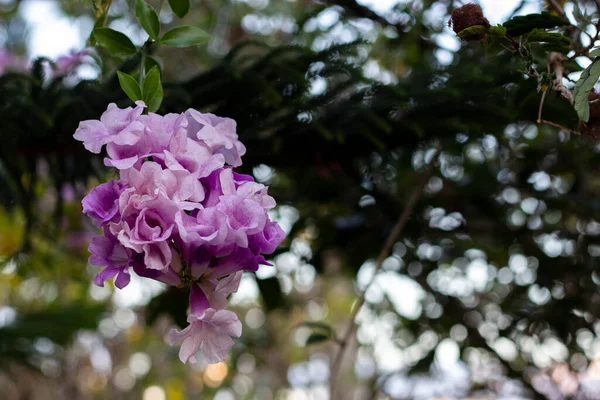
(553, 41)
(130, 86)
(55, 324)
(180, 7)
(184, 36)
(115, 42)
(152, 90)
(584, 86)
(522, 24)
(148, 19)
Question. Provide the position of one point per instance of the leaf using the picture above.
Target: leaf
(271, 293)
(554, 41)
(321, 332)
(497, 30)
(522, 24)
(582, 89)
(180, 7)
(148, 19)
(115, 42)
(152, 90)
(319, 326)
(130, 86)
(595, 53)
(98, 24)
(151, 62)
(473, 30)
(316, 338)
(184, 36)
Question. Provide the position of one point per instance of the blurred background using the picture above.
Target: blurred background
(491, 290)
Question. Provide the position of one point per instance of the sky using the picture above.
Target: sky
(52, 34)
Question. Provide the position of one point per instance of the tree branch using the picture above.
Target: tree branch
(387, 247)
(558, 8)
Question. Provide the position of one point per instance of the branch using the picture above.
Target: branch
(539, 118)
(387, 247)
(564, 128)
(555, 61)
(559, 8)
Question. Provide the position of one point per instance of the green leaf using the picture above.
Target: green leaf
(316, 338)
(180, 7)
(115, 42)
(150, 62)
(98, 24)
(582, 89)
(152, 90)
(595, 53)
(130, 86)
(554, 41)
(148, 19)
(184, 36)
(473, 30)
(522, 24)
(319, 326)
(497, 30)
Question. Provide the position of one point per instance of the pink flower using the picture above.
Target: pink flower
(118, 127)
(178, 215)
(102, 203)
(179, 185)
(108, 252)
(65, 64)
(218, 133)
(191, 155)
(209, 333)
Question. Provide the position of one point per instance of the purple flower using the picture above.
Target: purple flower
(212, 293)
(218, 133)
(146, 225)
(209, 333)
(65, 64)
(169, 275)
(118, 127)
(178, 215)
(267, 240)
(244, 217)
(108, 252)
(190, 155)
(208, 227)
(11, 62)
(179, 185)
(102, 203)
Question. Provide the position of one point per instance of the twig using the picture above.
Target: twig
(555, 61)
(558, 8)
(391, 239)
(539, 118)
(564, 128)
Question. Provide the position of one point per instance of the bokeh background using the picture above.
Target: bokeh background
(491, 290)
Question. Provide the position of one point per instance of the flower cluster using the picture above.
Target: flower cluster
(179, 214)
(60, 67)
(10, 62)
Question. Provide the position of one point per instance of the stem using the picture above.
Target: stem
(558, 8)
(391, 239)
(539, 118)
(564, 128)
(142, 69)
